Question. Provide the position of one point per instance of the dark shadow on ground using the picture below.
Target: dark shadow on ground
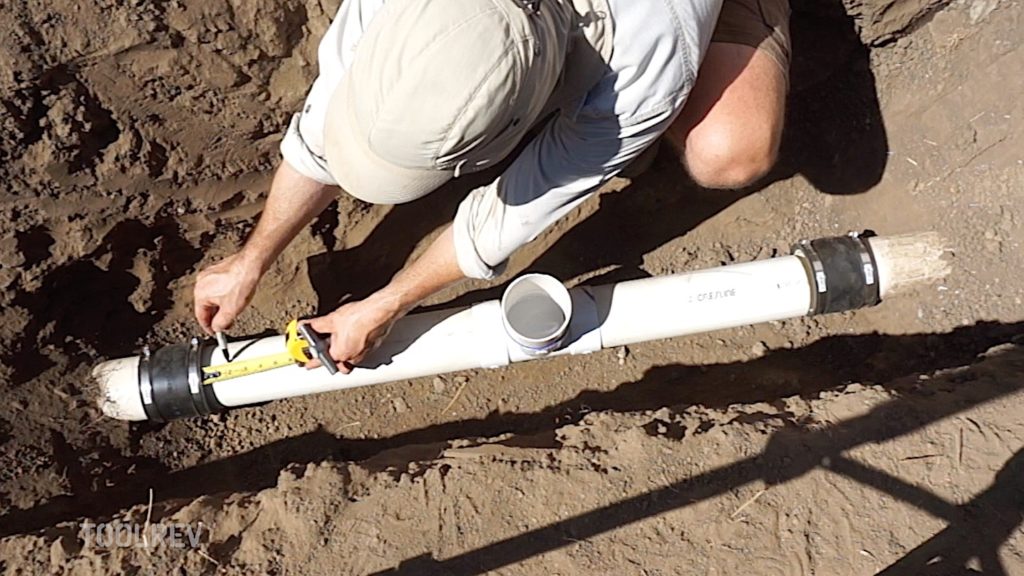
(831, 362)
(834, 135)
(84, 307)
(359, 271)
(976, 529)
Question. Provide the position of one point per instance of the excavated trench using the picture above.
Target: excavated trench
(136, 143)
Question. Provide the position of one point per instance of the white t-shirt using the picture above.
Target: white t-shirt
(658, 46)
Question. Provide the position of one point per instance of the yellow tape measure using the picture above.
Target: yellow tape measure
(296, 352)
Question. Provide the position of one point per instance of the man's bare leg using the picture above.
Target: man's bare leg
(728, 133)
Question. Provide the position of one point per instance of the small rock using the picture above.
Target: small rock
(759, 349)
(439, 385)
(57, 555)
(460, 380)
(622, 353)
(399, 405)
(62, 548)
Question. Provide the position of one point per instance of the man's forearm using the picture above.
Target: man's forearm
(433, 271)
(293, 202)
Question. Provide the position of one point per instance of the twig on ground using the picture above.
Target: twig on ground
(919, 457)
(149, 515)
(455, 397)
(203, 553)
(960, 449)
(748, 503)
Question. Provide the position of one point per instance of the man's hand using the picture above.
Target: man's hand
(223, 290)
(357, 328)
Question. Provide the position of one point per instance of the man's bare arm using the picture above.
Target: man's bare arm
(293, 202)
(224, 289)
(434, 270)
(359, 327)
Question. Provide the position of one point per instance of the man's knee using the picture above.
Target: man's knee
(724, 158)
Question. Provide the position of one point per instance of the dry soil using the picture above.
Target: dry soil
(136, 140)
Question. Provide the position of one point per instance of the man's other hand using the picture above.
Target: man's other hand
(357, 328)
(223, 290)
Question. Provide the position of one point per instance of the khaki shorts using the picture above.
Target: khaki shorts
(762, 24)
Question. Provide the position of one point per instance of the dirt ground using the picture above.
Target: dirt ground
(136, 141)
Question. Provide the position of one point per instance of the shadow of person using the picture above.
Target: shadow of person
(834, 134)
(834, 137)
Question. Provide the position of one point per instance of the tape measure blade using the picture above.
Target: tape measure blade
(241, 368)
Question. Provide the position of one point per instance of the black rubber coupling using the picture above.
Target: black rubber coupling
(171, 382)
(843, 272)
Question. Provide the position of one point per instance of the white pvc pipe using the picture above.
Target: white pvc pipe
(601, 317)
(689, 303)
(119, 388)
(474, 337)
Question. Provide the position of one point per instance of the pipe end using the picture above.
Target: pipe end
(909, 260)
(118, 382)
